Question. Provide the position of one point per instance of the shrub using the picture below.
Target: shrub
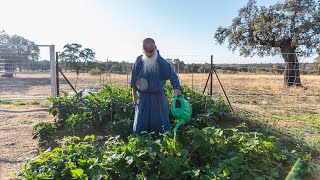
(95, 71)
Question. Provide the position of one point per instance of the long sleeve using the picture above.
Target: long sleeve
(171, 75)
(134, 76)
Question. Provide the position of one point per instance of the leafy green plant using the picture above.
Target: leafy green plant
(202, 151)
(122, 128)
(78, 123)
(44, 131)
(210, 153)
(64, 106)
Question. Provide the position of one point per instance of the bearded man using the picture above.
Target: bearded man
(149, 74)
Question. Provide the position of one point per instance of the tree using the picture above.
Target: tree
(16, 51)
(70, 56)
(74, 57)
(288, 27)
(204, 68)
(170, 61)
(187, 68)
(178, 65)
(116, 68)
(87, 55)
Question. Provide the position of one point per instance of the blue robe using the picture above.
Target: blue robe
(152, 112)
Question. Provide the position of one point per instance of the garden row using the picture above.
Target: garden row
(203, 150)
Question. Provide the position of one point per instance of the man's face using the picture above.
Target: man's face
(149, 49)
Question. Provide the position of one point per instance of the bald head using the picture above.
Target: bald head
(149, 47)
(148, 41)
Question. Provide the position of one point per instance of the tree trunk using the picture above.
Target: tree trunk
(291, 71)
(66, 66)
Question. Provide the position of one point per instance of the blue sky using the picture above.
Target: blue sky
(114, 29)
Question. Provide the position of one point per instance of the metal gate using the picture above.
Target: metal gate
(27, 72)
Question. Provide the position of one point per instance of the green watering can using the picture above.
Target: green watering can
(181, 109)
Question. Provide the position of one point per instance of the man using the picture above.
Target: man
(149, 74)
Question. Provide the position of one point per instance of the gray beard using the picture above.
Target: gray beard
(150, 64)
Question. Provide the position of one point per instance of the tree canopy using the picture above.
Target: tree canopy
(287, 27)
(75, 56)
(16, 47)
(16, 52)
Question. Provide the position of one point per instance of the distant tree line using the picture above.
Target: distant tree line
(123, 67)
(20, 54)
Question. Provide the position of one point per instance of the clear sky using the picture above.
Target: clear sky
(114, 29)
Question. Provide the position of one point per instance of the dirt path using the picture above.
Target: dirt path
(16, 143)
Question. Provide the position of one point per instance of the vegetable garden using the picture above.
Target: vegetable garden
(91, 139)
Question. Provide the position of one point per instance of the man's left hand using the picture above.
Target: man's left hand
(177, 92)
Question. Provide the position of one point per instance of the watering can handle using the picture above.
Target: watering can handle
(181, 95)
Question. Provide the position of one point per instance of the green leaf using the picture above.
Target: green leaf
(89, 137)
(226, 173)
(237, 160)
(205, 177)
(274, 173)
(195, 173)
(77, 173)
(97, 177)
(220, 133)
(308, 156)
(129, 160)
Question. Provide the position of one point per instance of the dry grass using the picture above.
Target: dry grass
(258, 93)
(262, 93)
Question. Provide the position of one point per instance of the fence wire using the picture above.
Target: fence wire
(250, 86)
(24, 72)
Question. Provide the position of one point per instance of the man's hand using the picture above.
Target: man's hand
(177, 92)
(136, 99)
(135, 96)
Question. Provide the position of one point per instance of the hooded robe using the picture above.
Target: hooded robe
(152, 112)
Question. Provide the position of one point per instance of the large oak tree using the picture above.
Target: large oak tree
(75, 56)
(290, 27)
(16, 52)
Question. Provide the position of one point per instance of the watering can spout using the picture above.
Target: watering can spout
(179, 123)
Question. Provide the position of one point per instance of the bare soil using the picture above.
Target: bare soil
(16, 143)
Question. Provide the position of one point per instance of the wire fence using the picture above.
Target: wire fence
(25, 72)
(258, 87)
(249, 83)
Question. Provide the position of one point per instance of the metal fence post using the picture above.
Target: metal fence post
(53, 74)
(57, 73)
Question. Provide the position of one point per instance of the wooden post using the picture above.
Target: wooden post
(127, 73)
(192, 77)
